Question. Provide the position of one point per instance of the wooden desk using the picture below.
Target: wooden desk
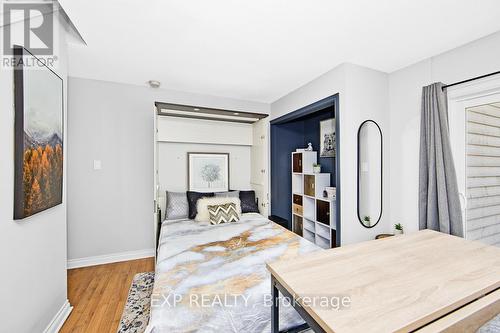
(396, 284)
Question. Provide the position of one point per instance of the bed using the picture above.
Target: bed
(213, 278)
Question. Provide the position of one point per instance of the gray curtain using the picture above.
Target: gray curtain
(439, 203)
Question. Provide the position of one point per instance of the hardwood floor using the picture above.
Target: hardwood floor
(98, 295)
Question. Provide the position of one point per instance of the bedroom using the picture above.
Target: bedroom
(290, 65)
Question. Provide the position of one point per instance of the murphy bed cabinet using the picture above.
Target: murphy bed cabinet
(313, 216)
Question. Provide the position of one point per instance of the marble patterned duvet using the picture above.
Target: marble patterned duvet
(213, 278)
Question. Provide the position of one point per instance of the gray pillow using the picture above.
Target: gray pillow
(230, 194)
(177, 206)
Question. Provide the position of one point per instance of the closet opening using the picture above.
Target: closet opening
(301, 194)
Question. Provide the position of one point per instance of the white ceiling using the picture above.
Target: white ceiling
(262, 49)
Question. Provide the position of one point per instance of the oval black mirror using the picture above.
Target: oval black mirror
(369, 173)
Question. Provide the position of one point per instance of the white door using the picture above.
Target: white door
(475, 138)
(259, 178)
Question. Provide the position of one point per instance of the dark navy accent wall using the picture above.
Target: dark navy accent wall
(286, 136)
(312, 134)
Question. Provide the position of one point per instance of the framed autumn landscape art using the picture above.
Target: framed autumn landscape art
(38, 174)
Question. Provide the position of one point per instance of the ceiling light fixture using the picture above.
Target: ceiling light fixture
(196, 109)
(236, 113)
(154, 83)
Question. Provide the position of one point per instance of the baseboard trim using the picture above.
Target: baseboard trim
(110, 258)
(58, 321)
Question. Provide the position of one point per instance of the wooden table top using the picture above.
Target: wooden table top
(396, 284)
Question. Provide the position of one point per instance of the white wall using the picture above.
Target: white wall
(172, 164)
(326, 85)
(33, 250)
(363, 95)
(110, 210)
(366, 97)
(405, 86)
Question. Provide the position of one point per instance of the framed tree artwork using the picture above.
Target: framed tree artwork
(208, 172)
(38, 152)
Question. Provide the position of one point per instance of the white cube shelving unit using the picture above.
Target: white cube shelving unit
(313, 216)
(297, 183)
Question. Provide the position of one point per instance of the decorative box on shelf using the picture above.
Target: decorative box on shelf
(314, 184)
(313, 215)
(302, 162)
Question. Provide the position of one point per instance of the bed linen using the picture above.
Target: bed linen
(213, 278)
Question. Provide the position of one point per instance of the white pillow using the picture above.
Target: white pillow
(203, 203)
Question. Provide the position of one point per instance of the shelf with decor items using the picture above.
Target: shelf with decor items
(313, 215)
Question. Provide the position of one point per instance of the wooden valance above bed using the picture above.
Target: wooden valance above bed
(206, 113)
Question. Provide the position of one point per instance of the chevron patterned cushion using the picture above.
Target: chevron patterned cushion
(223, 213)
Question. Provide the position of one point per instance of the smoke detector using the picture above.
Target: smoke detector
(154, 84)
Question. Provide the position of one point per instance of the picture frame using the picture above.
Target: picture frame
(327, 138)
(208, 172)
(38, 136)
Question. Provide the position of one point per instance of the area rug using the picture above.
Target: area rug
(135, 315)
(493, 326)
